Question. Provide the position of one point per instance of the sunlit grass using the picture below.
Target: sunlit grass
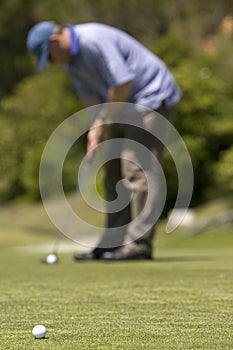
(180, 300)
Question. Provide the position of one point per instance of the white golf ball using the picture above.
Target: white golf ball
(39, 331)
(51, 259)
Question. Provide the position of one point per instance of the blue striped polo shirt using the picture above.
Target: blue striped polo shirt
(104, 57)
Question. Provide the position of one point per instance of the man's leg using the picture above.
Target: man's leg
(116, 219)
(146, 202)
(116, 192)
(118, 213)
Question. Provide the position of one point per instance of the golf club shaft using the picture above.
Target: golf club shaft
(71, 207)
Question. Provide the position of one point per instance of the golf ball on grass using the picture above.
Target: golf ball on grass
(39, 331)
(51, 259)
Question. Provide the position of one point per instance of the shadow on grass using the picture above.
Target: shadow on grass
(181, 259)
(170, 259)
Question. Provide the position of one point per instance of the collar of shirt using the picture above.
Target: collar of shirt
(74, 44)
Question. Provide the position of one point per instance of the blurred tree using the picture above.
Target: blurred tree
(15, 19)
(223, 171)
(145, 20)
(190, 36)
(204, 115)
(27, 119)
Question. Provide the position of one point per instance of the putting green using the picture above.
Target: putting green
(181, 300)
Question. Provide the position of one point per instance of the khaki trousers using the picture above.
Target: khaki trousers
(137, 166)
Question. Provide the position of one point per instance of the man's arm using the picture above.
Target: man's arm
(99, 130)
(120, 93)
(116, 94)
(91, 100)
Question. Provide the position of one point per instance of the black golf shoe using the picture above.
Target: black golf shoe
(123, 254)
(95, 254)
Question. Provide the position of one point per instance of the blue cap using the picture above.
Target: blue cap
(38, 41)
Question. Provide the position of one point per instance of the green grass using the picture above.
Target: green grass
(181, 300)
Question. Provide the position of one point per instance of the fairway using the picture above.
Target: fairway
(180, 300)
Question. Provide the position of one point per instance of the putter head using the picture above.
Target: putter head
(51, 259)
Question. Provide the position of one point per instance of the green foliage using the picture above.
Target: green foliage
(204, 117)
(223, 171)
(173, 49)
(16, 17)
(28, 117)
(186, 35)
(146, 20)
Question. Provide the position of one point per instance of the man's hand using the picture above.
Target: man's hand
(99, 130)
(97, 133)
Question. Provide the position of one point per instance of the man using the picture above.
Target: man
(106, 64)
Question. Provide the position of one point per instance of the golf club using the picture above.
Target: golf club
(52, 258)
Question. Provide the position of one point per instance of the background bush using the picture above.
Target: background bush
(194, 38)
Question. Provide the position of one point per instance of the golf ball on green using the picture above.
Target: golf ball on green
(51, 259)
(39, 331)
